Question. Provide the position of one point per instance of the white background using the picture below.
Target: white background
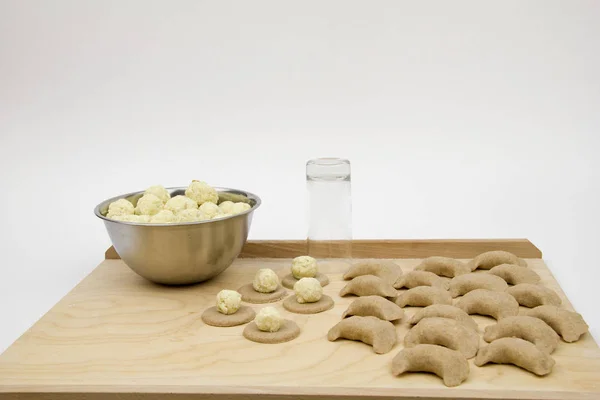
(462, 119)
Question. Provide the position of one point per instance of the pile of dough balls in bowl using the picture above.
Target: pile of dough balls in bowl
(182, 235)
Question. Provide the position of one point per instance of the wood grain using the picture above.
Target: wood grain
(118, 336)
(457, 248)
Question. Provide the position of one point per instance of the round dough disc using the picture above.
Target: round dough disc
(288, 281)
(211, 316)
(291, 304)
(249, 295)
(288, 331)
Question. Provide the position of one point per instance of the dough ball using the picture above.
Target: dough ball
(189, 215)
(304, 267)
(148, 204)
(268, 319)
(210, 209)
(308, 290)
(201, 192)
(227, 207)
(240, 207)
(164, 217)
(160, 192)
(120, 207)
(228, 301)
(265, 281)
(144, 219)
(180, 203)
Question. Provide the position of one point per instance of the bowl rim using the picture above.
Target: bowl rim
(250, 195)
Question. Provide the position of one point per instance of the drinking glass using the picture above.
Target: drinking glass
(329, 208)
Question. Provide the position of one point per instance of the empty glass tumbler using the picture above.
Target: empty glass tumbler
(329, 208)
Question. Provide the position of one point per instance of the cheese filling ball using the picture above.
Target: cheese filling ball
(180, 203)
(164, 217)
(189, 215)
(143, 218)
(227, 207)
(201, 193)
(133, 218)
(308, 290)
(268, 319)
(160, 192)
(228, 301)
(222, 215)
(240, 207)
(265, 281)
(148, 204)
(304, 267)
(120, 207)
(202, 216)
(210, 209)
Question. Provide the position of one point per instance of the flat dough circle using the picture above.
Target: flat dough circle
(249, 295)
(288, 331)
(291, 304)
(288, 281)
(211, 316)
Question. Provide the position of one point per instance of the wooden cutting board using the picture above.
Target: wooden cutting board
(118, 336)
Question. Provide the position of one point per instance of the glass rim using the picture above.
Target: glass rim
(328, 161)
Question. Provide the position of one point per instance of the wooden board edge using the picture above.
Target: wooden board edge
(111, 254)
(380, 248)
(312, 393)
(421, 248)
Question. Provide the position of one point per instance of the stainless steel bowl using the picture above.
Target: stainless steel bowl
(183, 253)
